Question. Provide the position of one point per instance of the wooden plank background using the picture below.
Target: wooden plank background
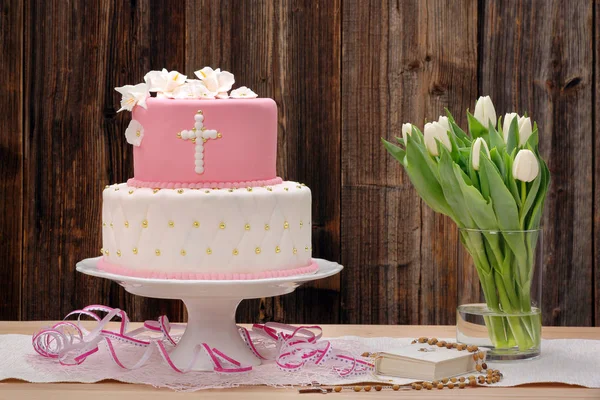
(344, 73)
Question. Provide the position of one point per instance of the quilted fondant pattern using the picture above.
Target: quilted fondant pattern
(207, 230)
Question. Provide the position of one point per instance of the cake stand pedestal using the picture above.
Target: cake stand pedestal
(211, 306)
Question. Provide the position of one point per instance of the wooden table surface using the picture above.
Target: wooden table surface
(113, 390)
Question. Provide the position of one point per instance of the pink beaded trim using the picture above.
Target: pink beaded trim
(228, 276)
(203, 185)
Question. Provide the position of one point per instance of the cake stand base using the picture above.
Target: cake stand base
(211, 306)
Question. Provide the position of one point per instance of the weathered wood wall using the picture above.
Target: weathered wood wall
(344, 73)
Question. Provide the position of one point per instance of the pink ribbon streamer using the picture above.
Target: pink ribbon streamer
(290, 347)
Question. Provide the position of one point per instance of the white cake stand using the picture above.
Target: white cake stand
(211, 306)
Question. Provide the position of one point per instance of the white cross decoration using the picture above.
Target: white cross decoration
(199, 132)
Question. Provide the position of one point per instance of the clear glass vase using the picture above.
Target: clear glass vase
(499, 293)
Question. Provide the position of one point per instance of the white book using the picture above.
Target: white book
(424, 362)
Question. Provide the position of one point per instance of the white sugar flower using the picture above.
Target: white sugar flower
(216, 81)
(134, 133)
(132, 96)
(193, 89)
(243, 93)
(164, 82)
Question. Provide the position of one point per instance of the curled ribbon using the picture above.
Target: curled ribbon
(290, 347)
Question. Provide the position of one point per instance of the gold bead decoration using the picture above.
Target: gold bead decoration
(182, 252)
(194, 129)
(247, 227)
(138, 133)
(230, 190)
(130, 192)
(180, 191)
(249, 189)
(219, 136)
(144, 224)
(104, 224)
(208, 251)
(286, 189)
(171, 224)
(222, 225)
(277, 249)
(295, 251)
(204, 139)
(306, 248)
(116, 189)
(178, 135)
(194, 140)
(270, 189)
(155, 191)
(135, 251)
(207, 191)
(102, 250)
(301, 224)
(111, 225)
(257, 250)
(298, 187)
(106, 252)
(118, 253)
(235, 252)
(126, 224)
(199, 112)
(267, 227)
(196, 224)
(106, 187)
(157, 252)
(286, 225)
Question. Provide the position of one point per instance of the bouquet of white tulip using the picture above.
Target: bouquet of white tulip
(491, 181)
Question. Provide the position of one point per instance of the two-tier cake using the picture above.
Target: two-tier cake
(205, 201)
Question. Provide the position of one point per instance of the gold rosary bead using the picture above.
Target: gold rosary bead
(337, 389)
(471, 377)
(473, 383)
(462, 385)
(378, 388)
(413, 342)
(481, 379)
(429, 386)
(395, 387)
(367, 388)
(481, 355)
(235, 252)
(453, 380)
(494, 379)
(418, 387)
(488, 380)
(440, 386)
(422, 340)
(454, 345)
(182, 252)
(432, 341)
(448, 345)
(366, 354)
(208, 251)
(461, 379)
(357, 388)
(478, 367)
(434, 383)
(413, 385)
(196, 224)
(450, 385)
(475, 357)
(445, 380)
(157, 252)
(441, 343)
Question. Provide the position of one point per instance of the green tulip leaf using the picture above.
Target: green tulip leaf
(397, 152)
(452, 192)
(512, 140)
(496, 139)
(475, 127)
(509, 180)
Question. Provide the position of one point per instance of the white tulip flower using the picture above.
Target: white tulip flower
(526, 166)
(477, 152)
(433, 131)
(485, 112)
(406, 130)
(524, 125)
(444, 122)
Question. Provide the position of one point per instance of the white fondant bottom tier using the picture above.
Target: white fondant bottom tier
(207, 231)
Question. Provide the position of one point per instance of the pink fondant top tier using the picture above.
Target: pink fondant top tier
(245, 151)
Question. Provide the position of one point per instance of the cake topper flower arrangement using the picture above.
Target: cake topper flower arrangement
(492, 181)
(211, 84)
